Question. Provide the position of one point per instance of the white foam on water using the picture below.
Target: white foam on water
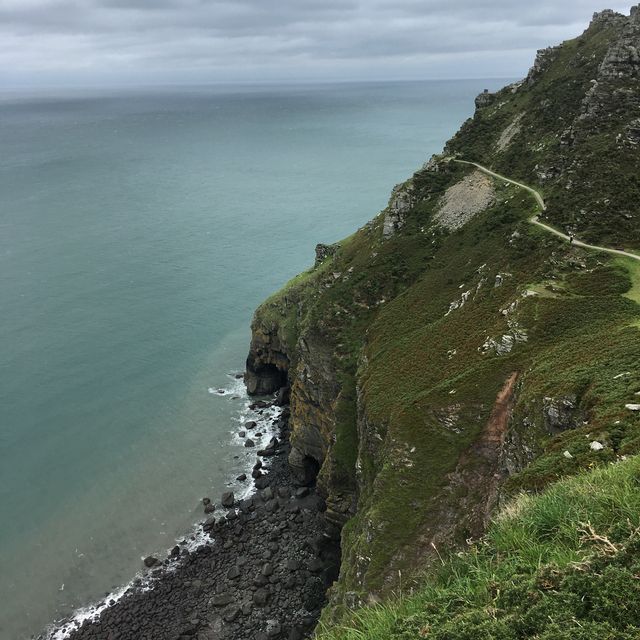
(92, 612)
(266, 419)
(235, 388)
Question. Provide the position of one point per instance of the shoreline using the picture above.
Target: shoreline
(258, 568)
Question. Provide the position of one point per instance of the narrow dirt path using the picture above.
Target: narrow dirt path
(543, 206)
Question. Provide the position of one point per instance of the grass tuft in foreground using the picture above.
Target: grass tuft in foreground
(560, 565)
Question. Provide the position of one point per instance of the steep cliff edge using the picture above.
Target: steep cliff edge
(450, 354)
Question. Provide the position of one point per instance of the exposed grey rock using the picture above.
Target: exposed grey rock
(544, 59)
(282, 397)
(260, 597)
(468, 197)
(324, 251)
(509, 133)
(632, 132)
(221, 600)
(485, 99)
(228, 499)
(401, 202)
(233, 573)
(560, 413)
(232, 613)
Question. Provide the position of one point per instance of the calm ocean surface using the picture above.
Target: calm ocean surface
(138, 232)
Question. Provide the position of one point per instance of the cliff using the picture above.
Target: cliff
(450, 354)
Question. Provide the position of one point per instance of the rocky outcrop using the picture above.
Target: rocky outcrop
(623, 58)
(632, 132)
(401, 202)
(544, 59)
(485, 99)
(561, 414)
(607, 92)
(606, 18)
(324, 251)
(313, 394)
(268, 362)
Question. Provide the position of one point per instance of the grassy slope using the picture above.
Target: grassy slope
(580, 334)
(579, 338)
(382, 305)
(563, 565)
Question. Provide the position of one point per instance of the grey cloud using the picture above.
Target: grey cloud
(247, 39)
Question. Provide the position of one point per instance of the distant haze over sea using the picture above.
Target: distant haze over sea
(139, 229)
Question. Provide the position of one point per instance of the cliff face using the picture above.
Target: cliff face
(449, 353)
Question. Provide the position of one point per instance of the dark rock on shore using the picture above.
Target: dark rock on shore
(263, 576)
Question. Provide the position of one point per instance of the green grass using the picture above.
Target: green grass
(633, 269)
(556, 566)
(408, 387)
(578, 341)
(410, 376)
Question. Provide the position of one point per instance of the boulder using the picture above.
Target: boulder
(231, 613)
(228, 499)
(260, 597)
(221, 600)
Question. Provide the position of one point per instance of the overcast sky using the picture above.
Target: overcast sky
(167, 41)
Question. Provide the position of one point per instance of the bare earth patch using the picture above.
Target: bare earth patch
(473, 194)
(509, 133)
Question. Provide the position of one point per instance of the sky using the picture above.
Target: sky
(77, 42)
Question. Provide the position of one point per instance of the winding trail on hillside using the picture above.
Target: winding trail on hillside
(541, 203)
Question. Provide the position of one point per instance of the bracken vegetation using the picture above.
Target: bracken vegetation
(427, 329)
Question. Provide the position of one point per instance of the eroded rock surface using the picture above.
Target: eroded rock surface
(473, 194)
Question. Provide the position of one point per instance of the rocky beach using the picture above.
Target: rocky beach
(261, 571)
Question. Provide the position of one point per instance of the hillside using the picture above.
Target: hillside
(450, 356)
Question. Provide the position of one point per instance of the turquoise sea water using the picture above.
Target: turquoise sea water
(138, 231)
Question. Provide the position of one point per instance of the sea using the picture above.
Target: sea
(139, 230)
